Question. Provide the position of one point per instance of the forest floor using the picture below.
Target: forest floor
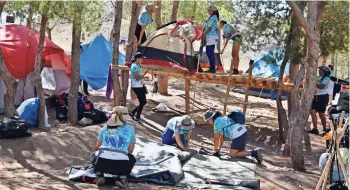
(41, 161)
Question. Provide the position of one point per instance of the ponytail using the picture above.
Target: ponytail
(216, 13)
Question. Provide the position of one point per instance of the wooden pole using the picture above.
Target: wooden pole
(228, 88)
(187, 95)
(247, 86)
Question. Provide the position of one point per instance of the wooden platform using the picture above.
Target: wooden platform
(222, 78)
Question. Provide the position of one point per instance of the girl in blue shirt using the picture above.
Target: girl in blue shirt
(225, 127)
(117, 135)
(145, 19)
(231, 34)
(210, 35)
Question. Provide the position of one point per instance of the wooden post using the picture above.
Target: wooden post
(228, 88)
(247, 86)
(187, 95)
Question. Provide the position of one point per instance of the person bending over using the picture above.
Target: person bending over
(321, 99)
(225, 127)
(117, 135)
(178, 132)
(145, 19)
(231, 34)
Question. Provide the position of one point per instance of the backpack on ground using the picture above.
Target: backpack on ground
(237, 116)
(61, 112)
(88, 106)
(343, 102)
(97, 116)
(13, 127)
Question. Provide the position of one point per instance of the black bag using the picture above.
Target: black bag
(145, 88)
(237, 116)
(14, 128)
(114, 162)
(96, 115)
(343, 102)
(61, 112)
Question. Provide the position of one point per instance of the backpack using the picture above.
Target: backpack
(343, 102)
(88, 106)
(237, 116)
(96, 115)
(61, 112)
(13, 127)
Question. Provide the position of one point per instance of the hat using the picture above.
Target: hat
(186, 123)
(118, 112)
(209, 114)
(151, 7)
(137, 55)
(212, 8)
(324, 68)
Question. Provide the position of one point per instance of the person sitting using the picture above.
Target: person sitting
(178, 132)
(120, 136)
(225, 127)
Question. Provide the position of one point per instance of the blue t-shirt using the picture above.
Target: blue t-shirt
(213, 23)
(227, 30)
(325, 81)
(118, 138)
(145, 19)
(173, 125)
(227, 127)
(136, 68)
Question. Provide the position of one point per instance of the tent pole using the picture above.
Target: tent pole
(247, 86)
(187, 95)
(228, 87)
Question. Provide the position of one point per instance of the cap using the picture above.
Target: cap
(138, 55)
(209, 114)
(212, 8)
(324, 68)
(186, 123)
(151, 7)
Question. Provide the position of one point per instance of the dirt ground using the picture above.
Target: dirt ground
(41, 161)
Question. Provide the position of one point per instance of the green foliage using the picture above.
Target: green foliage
(266, 23)
(335, 28)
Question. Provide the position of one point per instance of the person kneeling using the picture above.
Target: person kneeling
(114, 147)
(227, 127)
(178, 132)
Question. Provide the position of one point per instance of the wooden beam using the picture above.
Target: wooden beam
(228, 88)
(236, 80)
(187, 95)
(247, 86)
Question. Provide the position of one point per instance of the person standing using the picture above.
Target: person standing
(178, 132)
(321, 99)
(145, 19)
(137, 85)
(231, 34)
(225, 127)
(210, 36)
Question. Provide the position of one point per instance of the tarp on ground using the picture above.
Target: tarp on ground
(167, 165)
(95, 60)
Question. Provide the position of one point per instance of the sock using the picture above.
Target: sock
(249, 153)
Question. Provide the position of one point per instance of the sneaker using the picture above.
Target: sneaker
(137, 120)
(100, 181)
(257, 155)
(314, 131)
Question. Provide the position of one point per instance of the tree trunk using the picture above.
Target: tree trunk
(135, 11)
(2, 4)
(49, 32)
(75, 76)
(30, 16)
(299, 117)
(118, 13)
(332, 59)
(37, 67)
(158, 19)
(193, 17)
(174, 11)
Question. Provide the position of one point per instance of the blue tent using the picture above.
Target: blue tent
(95, 60)
(268, 64)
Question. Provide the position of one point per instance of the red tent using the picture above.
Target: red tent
(19, 45)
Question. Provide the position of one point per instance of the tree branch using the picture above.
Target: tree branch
(299, 15)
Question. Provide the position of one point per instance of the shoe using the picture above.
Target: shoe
(100, 181)
(235, 72)
(257, 155)
(137, 120)
(121, 182)
(314, 131)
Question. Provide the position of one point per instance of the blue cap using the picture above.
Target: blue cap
(122, 41)
(137, 55)
(324, 68)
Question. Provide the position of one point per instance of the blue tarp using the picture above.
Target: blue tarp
(95, 60)
(268, 64)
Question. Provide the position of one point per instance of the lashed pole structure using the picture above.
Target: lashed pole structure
(236, 80)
